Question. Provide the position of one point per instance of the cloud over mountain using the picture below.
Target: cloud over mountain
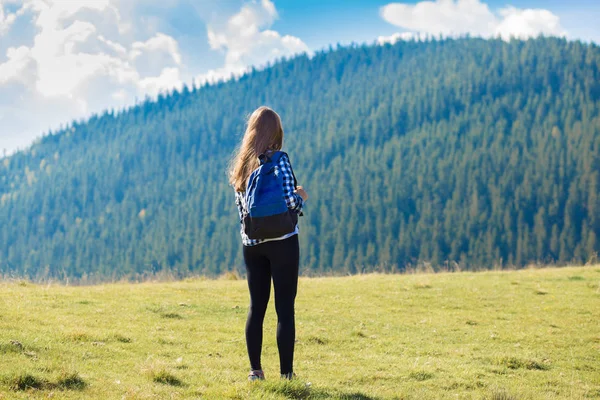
(459, 17)
(245, 39)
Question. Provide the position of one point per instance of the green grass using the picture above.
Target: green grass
(528, 334)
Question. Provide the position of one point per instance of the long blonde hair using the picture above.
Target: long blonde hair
(263, 132)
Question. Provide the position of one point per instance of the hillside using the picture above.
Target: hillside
(527, 334)
(461, 152)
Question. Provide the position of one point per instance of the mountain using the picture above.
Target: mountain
(463, 153)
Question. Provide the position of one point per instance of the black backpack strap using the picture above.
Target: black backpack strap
(263, 158)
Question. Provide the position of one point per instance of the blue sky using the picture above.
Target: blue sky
(324, 22)
(62, 60)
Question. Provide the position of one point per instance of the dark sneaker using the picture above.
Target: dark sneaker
(289, 376)
(256, 375)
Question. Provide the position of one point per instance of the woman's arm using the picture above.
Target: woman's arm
(293, 199)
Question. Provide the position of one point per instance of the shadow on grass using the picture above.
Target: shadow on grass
(317, 340)
(518, 363)
(120, 338)
(26, 381)
(171, 315)
(499, 394)
(356, 396)
(16, 347)
(420, 375)
(167, 378)
(71, 381)
(160, 374)
(298, 390)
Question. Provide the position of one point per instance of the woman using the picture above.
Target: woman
(275, 258)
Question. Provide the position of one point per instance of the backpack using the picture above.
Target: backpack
(267, 215)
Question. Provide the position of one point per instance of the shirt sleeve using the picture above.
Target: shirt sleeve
(239, 197)
(293, 200)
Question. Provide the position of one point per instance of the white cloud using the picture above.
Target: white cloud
(7, 18)
(19, 66)
(246, 40)
(269, 7)
(81, 59)
(402, 36)
(161, 43)
(168, 78)
(527, 23)
(74, 57)
(459, 17)
(67, 56)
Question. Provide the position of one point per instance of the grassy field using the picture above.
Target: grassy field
(528, 334)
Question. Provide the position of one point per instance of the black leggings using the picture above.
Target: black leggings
(278, 259)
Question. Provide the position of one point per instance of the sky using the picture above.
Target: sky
(63, 60)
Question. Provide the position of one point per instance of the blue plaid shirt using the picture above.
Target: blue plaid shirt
(293, 200)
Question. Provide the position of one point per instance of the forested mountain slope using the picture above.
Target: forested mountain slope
(473, 151)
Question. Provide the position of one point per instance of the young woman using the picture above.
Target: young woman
(275, 258)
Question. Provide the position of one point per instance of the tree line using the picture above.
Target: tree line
(470, 152)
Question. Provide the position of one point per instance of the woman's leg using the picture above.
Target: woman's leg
(284, 256)
(259, 284)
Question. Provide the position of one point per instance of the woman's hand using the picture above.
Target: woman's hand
(300, 190)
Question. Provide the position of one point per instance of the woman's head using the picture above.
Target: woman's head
(263, 132)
